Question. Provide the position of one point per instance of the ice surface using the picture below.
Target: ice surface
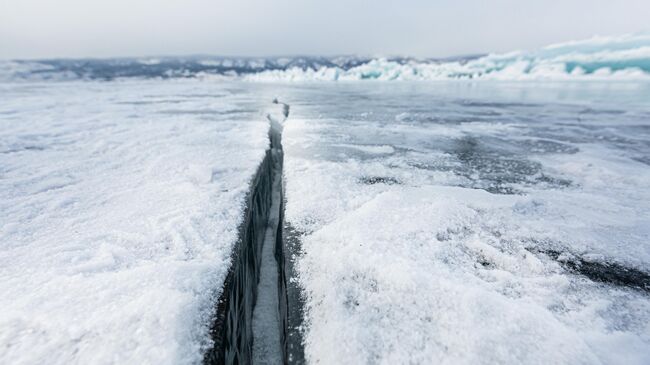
(439, 222)
(119, 207)
(436, 221)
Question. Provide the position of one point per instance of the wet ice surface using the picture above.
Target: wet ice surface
(458, 223)
(119, 207)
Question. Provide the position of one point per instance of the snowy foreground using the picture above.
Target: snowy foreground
(119, 207)
(439, 223)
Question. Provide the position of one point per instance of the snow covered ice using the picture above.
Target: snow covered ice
(440, 223)
(119, 208)
(498, 213)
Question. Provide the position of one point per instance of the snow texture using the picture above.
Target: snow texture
(436, 221)
(119, 206)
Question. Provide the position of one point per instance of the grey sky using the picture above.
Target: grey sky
(78, 28)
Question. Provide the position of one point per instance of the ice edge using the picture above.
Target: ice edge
(232, 329)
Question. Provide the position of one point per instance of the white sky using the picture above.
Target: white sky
(98, 28)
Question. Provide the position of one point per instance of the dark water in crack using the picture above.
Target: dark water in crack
(267, 321)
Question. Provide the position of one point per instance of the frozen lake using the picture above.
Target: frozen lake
(472, 223)
(451, 222)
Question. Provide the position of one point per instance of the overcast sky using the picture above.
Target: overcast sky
(97, 28)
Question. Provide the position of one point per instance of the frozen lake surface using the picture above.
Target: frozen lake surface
(451, 222)
(472, 223)
(119, 207)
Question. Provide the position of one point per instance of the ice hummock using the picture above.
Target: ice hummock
(624, 57)
(455, 244)
(119, 208)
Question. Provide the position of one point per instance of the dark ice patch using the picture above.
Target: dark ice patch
(150, 102)
(502, 105)
(22, 148)
(605, 272)
(372, 180)
(493, 165)
(602, 111)
(543, 146)
(642, 159)
(205, 112)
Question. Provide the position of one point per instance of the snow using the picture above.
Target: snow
(119, 207)
(436, 220)
(438, 250)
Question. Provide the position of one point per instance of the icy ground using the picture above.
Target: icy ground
(452, 223)
(119, 206)
(439, 222)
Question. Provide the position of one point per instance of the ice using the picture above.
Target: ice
(625, 57)
(119, 206)
(462, 243)
(451, 222)
(622, 58)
